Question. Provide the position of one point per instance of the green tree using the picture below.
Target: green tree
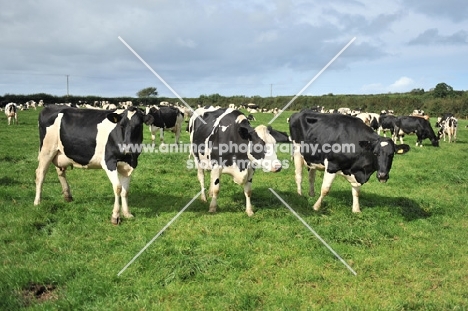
(442, 90)
(147, 92)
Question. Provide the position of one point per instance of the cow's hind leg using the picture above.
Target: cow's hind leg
(214, 188)
(326, 185)
(298, 162)
(312, 173)
(201, 179)
(45, 158)
(62, 177)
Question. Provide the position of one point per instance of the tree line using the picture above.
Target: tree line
(435, 102)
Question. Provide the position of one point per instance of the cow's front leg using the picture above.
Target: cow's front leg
(355, 192)
(117, 187)
(161, 135)
(125, 183)
(62, 176)
(152, 131)
(248, 193)
(214, 188)
(326, 185)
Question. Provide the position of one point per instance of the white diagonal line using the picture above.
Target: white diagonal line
(313, 79)
(159, 77)
(313, 231)
(159, 233)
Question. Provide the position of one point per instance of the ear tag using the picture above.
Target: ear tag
(115, 120)
(400, 151)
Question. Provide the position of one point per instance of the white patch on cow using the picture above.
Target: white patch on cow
(270, 162)
(224, 128)
(240, 118)
(384, 143)
(130, 114)
(104, 129)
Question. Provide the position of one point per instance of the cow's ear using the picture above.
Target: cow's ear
(114, 117)
(244, 133)
(365, 144)
(148, 119)
(311, 120)
(401, 149)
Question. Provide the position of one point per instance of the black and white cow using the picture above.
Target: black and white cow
(386, 123)
(11, 111)
(166, 118)
(88, 138)
(280, 137)
(228, 144)
(417, 125)
(448, 127)
(339, 144)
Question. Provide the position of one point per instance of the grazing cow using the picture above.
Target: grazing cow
(344, 111)
(228, 144)
(386, 123)
(374, 121)
(364, 117)
(339, 144)
(419, 126)
(449, 127)
(11, 111)
(280, 137)
(93, 139)
(166, 118)
(251, 117)
(442, 119)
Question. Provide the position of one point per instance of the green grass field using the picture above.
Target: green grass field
(408, 246)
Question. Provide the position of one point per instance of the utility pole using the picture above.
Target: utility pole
(67, 87)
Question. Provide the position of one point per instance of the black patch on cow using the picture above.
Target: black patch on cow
(216, 181)
(78, 131)
(164, 116)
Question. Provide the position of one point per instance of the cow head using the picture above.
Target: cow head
(129, 127)
(261, 147)
(435, 141)
(384, 149)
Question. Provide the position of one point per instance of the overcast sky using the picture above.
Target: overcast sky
(232, 47)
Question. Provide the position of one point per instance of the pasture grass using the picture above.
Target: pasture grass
(408, 246)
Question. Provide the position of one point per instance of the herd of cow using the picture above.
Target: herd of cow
(103, 132)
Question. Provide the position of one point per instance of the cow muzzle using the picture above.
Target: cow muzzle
(382, 177)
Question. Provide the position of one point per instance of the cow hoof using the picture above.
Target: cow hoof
(249, 213)
(128, 215)
(212, 210)
(115, 221)
(311, 193)
(69, 199)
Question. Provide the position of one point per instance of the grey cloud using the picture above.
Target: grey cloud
(454, 10)
(432, 37)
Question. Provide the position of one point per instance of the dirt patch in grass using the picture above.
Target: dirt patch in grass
(38, 293)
